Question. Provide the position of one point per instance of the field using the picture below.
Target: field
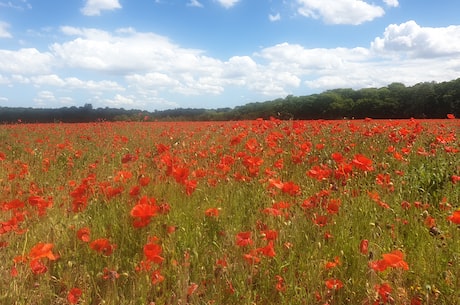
(250, 212)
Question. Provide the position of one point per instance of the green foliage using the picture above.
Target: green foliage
(423, 100)
(389, 204)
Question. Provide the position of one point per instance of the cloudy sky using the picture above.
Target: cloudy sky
(162, 54)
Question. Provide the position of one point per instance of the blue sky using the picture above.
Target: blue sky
(162, 54)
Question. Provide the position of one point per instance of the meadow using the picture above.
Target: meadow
(245, 212)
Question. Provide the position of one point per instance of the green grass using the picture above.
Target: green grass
(52, 160)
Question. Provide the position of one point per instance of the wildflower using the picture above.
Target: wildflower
(320, 220)
(384, 291)
(192, 288)
(362, 162)
(190, 186)
(394, 259)
(251, 257)
(333, 264)
(143, 211)
(455, 179)
(42, 250)
(212, 212)
(108, 274)
(74, 295)
(455, 217)
(135, 190)
(280, 284)
(102, 246)
(364, 246)
(268, 250)
(290, 188)
(157, 277)
(269, 234)
(152, 252)
(37, 266)
(244, 239)
(84, 234)
(333, 284)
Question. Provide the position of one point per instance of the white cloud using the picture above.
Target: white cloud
(54, 80)
(194, 3)
(276, 17)
(44, 98)
(131, 69)
(120, 100)
(4, 30)
(16, 4)
(94, 7)
(392, 3)
(340, 11)
(410, 39)
(126, 51)
(25, 61)
(228, 3)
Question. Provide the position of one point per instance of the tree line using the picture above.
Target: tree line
(395, 101)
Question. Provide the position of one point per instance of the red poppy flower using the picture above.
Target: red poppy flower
(395, 259)
(320, 220)
(455, 217)
(362, 162)
(143, 211)
(84, 234)
(244, 239)
(290, 188)
(74, 295)
(334, 284)
(135, 190)
(108, 274)
(42, 250)
(152, 252)
(364, 246)
(37, 266)
(212, 212)
(102, 246)
(455, 179)
(268, 250)
(270, 234)
(251, 257)
(157, 277)
(333, 264)
(280, 284)
(384, 291)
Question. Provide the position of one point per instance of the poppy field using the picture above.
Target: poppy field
(245, 212)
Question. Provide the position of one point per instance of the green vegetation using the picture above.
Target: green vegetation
(423, 100)
(249, 212)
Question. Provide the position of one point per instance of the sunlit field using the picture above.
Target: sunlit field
(252, 212)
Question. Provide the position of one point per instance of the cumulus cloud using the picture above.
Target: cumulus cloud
(16, 4)
(127, 68)
(411, 40)
(75, 83)
(340, 11)
(126, 51)
(228, 3)
(43, 98)
(25, 61)
(4, 30)
(94, 7)
(194, 3)
(392, 3)
(275, 17)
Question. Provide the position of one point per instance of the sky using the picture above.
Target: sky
(166, 54)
